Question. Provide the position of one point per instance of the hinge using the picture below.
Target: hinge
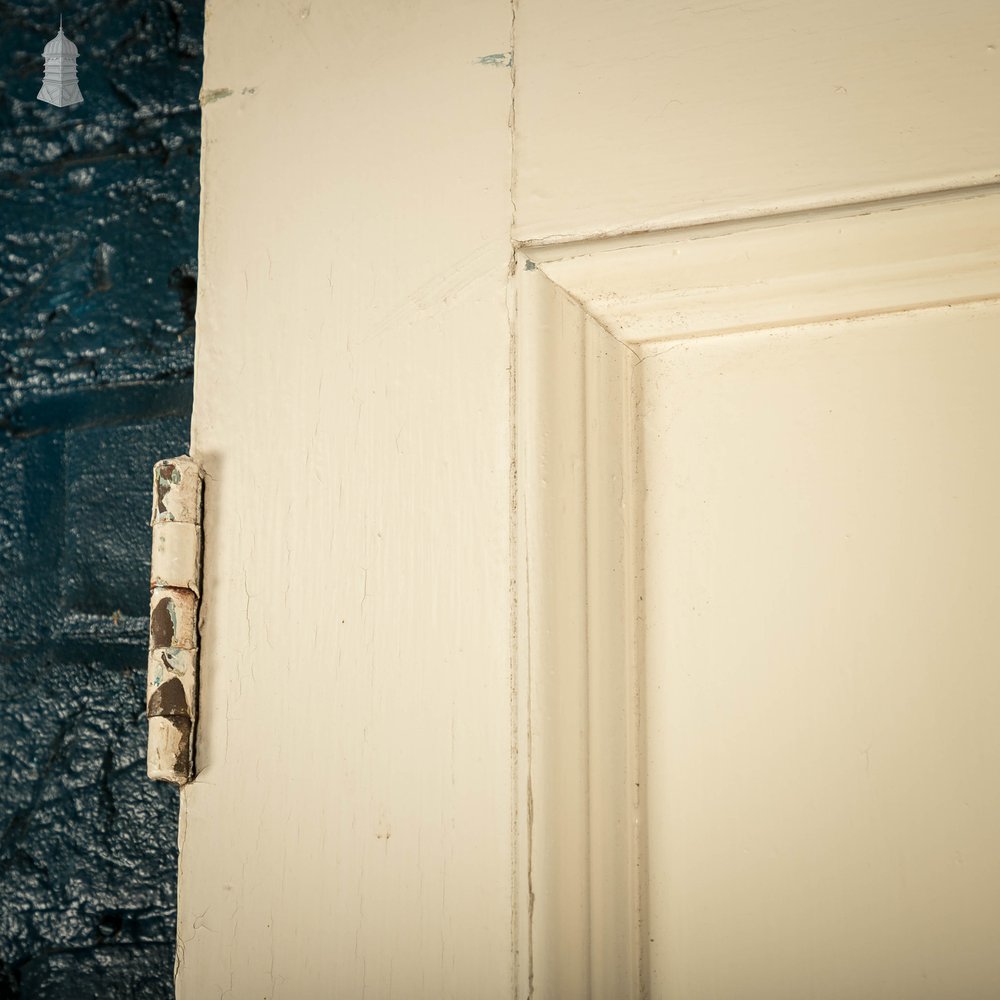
(175, 584)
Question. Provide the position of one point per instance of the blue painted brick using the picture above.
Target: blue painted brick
(98, 281)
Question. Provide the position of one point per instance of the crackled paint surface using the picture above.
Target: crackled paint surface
(97, 293)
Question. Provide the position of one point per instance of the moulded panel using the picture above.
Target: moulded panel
(757, 572)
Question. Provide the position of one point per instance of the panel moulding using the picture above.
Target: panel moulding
(785, 270)
(579, 664)
(587, 315)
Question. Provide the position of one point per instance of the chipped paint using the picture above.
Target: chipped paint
(173, 618)
(208, 96)
(495, 59)
(177, 492)
(172, 672)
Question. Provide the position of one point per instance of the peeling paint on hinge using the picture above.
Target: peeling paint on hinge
(172, 673)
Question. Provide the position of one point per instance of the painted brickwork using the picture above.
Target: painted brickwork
(98, 234)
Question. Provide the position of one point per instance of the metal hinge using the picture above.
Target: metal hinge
(175, 583)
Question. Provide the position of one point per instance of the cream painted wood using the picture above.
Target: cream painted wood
(351, 831)
(908, 253)
(430, 750)
(822, 682)
(793, 520)
(577, 659)
(636, 115)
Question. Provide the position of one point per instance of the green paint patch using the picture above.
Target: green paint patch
(495, 59)
(207, 96)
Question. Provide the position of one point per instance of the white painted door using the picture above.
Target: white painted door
(596, 402)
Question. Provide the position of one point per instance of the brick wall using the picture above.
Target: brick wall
(98, 252)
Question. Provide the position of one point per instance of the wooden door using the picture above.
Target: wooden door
(595, 404)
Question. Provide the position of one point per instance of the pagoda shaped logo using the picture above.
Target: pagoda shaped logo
(59, 86)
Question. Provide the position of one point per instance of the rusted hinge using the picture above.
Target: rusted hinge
(175, 583)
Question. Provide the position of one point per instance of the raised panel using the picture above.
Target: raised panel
(756, 570)
(821, 669)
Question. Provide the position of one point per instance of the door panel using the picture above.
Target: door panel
(822, 678)
(760, 660)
